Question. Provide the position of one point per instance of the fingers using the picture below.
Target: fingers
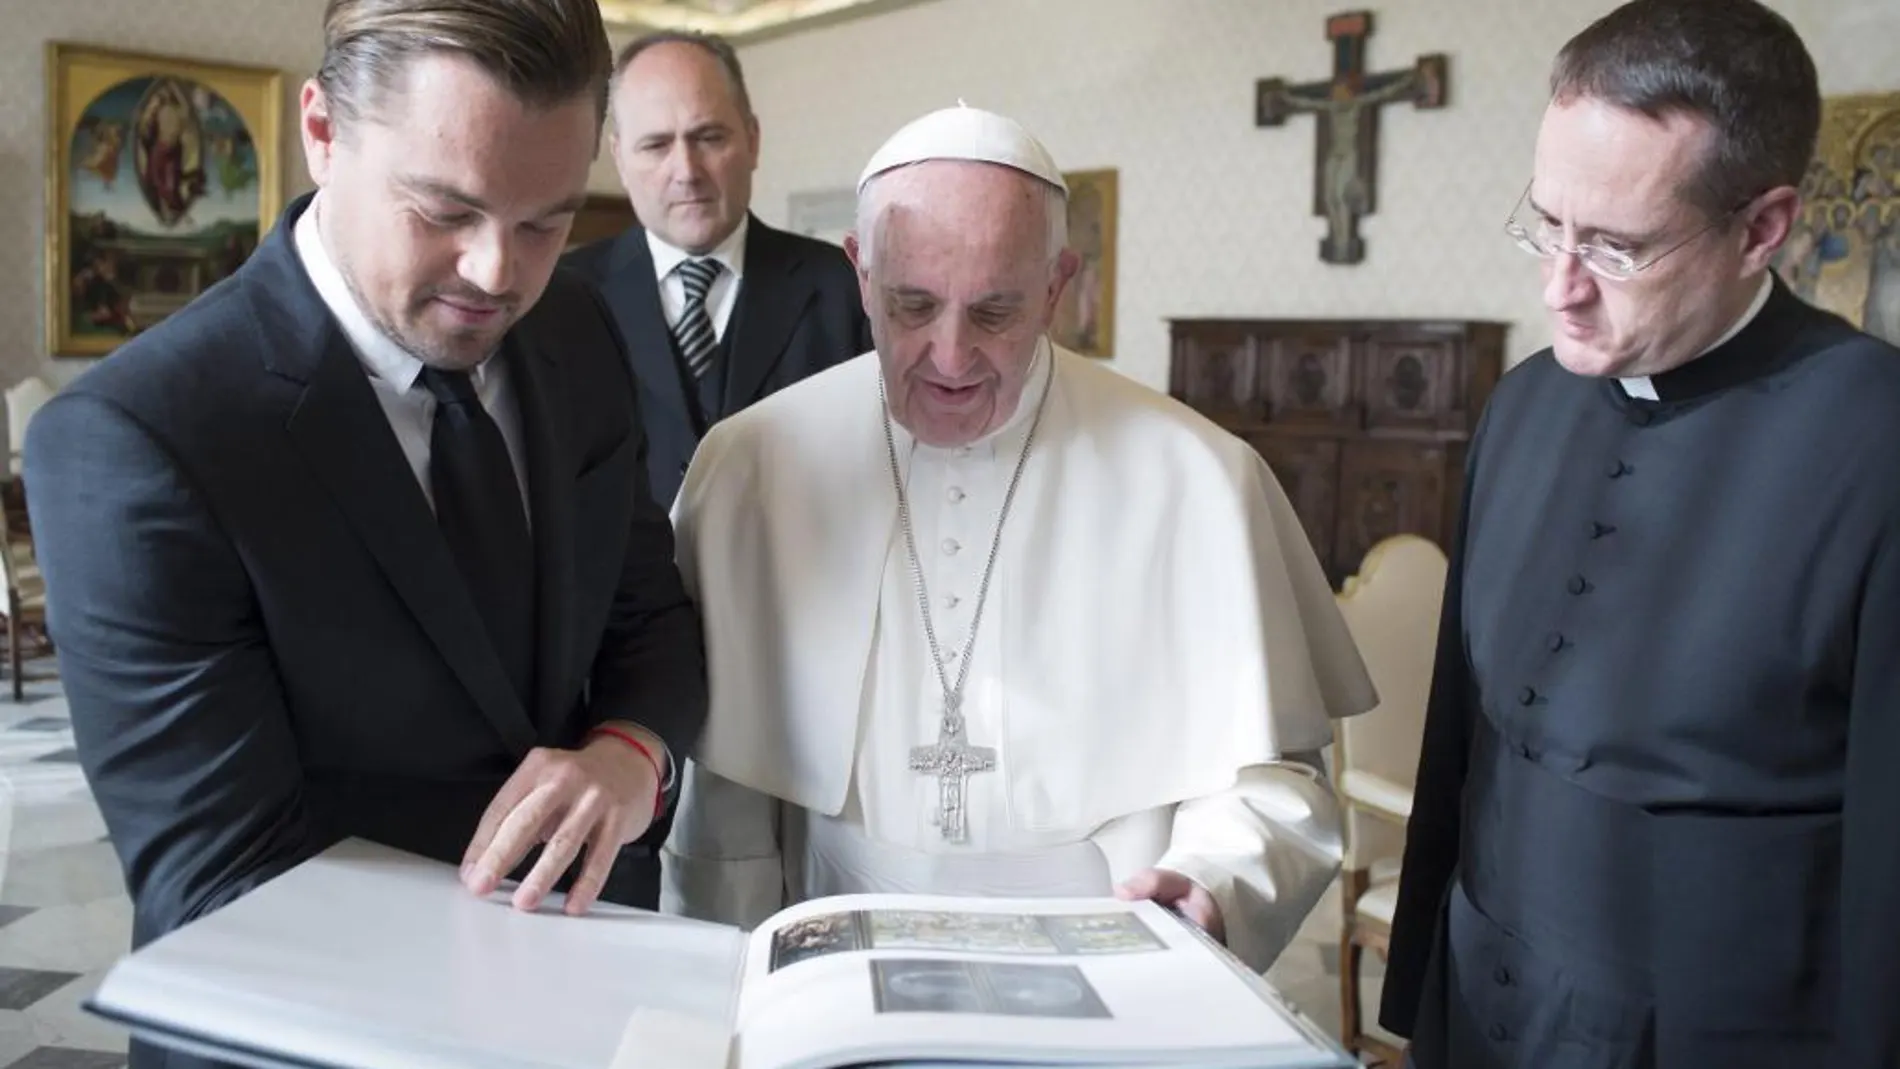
(520, 828)
(1199, 907)
(1148, 883)
(568, 803)
(562, 847)
(602, 848)
(474, 876)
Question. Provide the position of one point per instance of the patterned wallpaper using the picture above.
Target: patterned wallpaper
(1215, 214)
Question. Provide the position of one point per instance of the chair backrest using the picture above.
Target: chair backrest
(24, 399)
(25, 588)
(1392, 608)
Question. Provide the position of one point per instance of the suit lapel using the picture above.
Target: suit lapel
(340, 428)
(633, 295)
(772, 298)
(550, 477)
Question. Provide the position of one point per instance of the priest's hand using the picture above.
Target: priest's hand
(1176, 892)
(596, 798)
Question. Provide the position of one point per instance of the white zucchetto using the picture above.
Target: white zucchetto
(965, 133)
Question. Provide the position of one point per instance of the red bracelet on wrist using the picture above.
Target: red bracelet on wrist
(659, 780)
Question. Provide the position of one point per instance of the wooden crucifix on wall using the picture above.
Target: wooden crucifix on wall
(1346, 114)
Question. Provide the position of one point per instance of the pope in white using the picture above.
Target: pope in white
(986, 618)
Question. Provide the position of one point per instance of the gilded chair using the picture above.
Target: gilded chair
(1392, 608)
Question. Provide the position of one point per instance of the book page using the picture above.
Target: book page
(872, 978)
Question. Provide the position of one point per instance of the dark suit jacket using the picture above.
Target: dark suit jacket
(798, 312)
(265, 642)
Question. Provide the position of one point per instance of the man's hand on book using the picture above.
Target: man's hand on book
(597, 798)
(1178, 893)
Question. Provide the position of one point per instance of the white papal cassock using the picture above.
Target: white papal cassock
(1156, 665)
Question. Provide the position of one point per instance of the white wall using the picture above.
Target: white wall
(1214, 217)
(1216, 214)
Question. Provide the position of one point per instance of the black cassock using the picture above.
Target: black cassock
(1657, 819)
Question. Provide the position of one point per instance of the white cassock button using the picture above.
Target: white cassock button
(956, 494)
(963, 450)
(950, 546)
(953, 601)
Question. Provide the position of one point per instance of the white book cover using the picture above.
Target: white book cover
(369, 958)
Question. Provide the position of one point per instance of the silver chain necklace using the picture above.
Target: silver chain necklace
(952, 759)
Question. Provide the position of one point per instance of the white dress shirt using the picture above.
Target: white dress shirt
(410, 407)
(725, 289)
(394, 372)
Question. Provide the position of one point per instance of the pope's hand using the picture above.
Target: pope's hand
(599, 798)
(1178, 893)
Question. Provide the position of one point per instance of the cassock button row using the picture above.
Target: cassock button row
(1527, 696)
(950, 546)
(1618, 469)
(1502, 976)
(1557, 641)
(1579, 585)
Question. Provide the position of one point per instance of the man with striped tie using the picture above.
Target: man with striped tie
(718, 309)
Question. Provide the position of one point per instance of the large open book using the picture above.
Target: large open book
(368, 958)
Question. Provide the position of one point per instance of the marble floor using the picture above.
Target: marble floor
(64, 917)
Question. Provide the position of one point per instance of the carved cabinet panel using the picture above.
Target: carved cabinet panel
(1365, 423)
(1307, 468)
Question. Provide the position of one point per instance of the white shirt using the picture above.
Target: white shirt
(725, 288)
(394, 371)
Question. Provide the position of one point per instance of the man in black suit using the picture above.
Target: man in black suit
(718, 309)
(359, 542)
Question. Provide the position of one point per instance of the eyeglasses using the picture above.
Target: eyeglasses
(1616, 265)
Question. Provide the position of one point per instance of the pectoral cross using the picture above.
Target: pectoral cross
(952, 760)
(1347, 113)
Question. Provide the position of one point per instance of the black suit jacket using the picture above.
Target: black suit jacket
(798, 312)
(265, 642)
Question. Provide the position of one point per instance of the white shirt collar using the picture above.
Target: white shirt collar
(730, 253)
(379, 353)
(1640, 386)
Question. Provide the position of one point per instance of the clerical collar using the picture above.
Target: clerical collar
(1754, 346)
(379, 354)
(1012, 428)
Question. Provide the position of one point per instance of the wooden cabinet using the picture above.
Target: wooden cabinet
(1364, 422)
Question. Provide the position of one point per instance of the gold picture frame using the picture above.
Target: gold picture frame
(1085, 317)
(162, 175)
(1843, 253)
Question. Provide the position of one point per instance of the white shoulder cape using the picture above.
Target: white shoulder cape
(1166, 622)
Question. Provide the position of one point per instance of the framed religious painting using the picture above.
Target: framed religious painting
(1085, 317)
(1844, 251)
(162, 176)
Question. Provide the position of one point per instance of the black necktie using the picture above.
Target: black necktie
(478, 507)
(694, 332)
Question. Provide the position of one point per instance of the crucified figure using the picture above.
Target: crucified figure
(1346, 111)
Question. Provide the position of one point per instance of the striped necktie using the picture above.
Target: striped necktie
(694, 332)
